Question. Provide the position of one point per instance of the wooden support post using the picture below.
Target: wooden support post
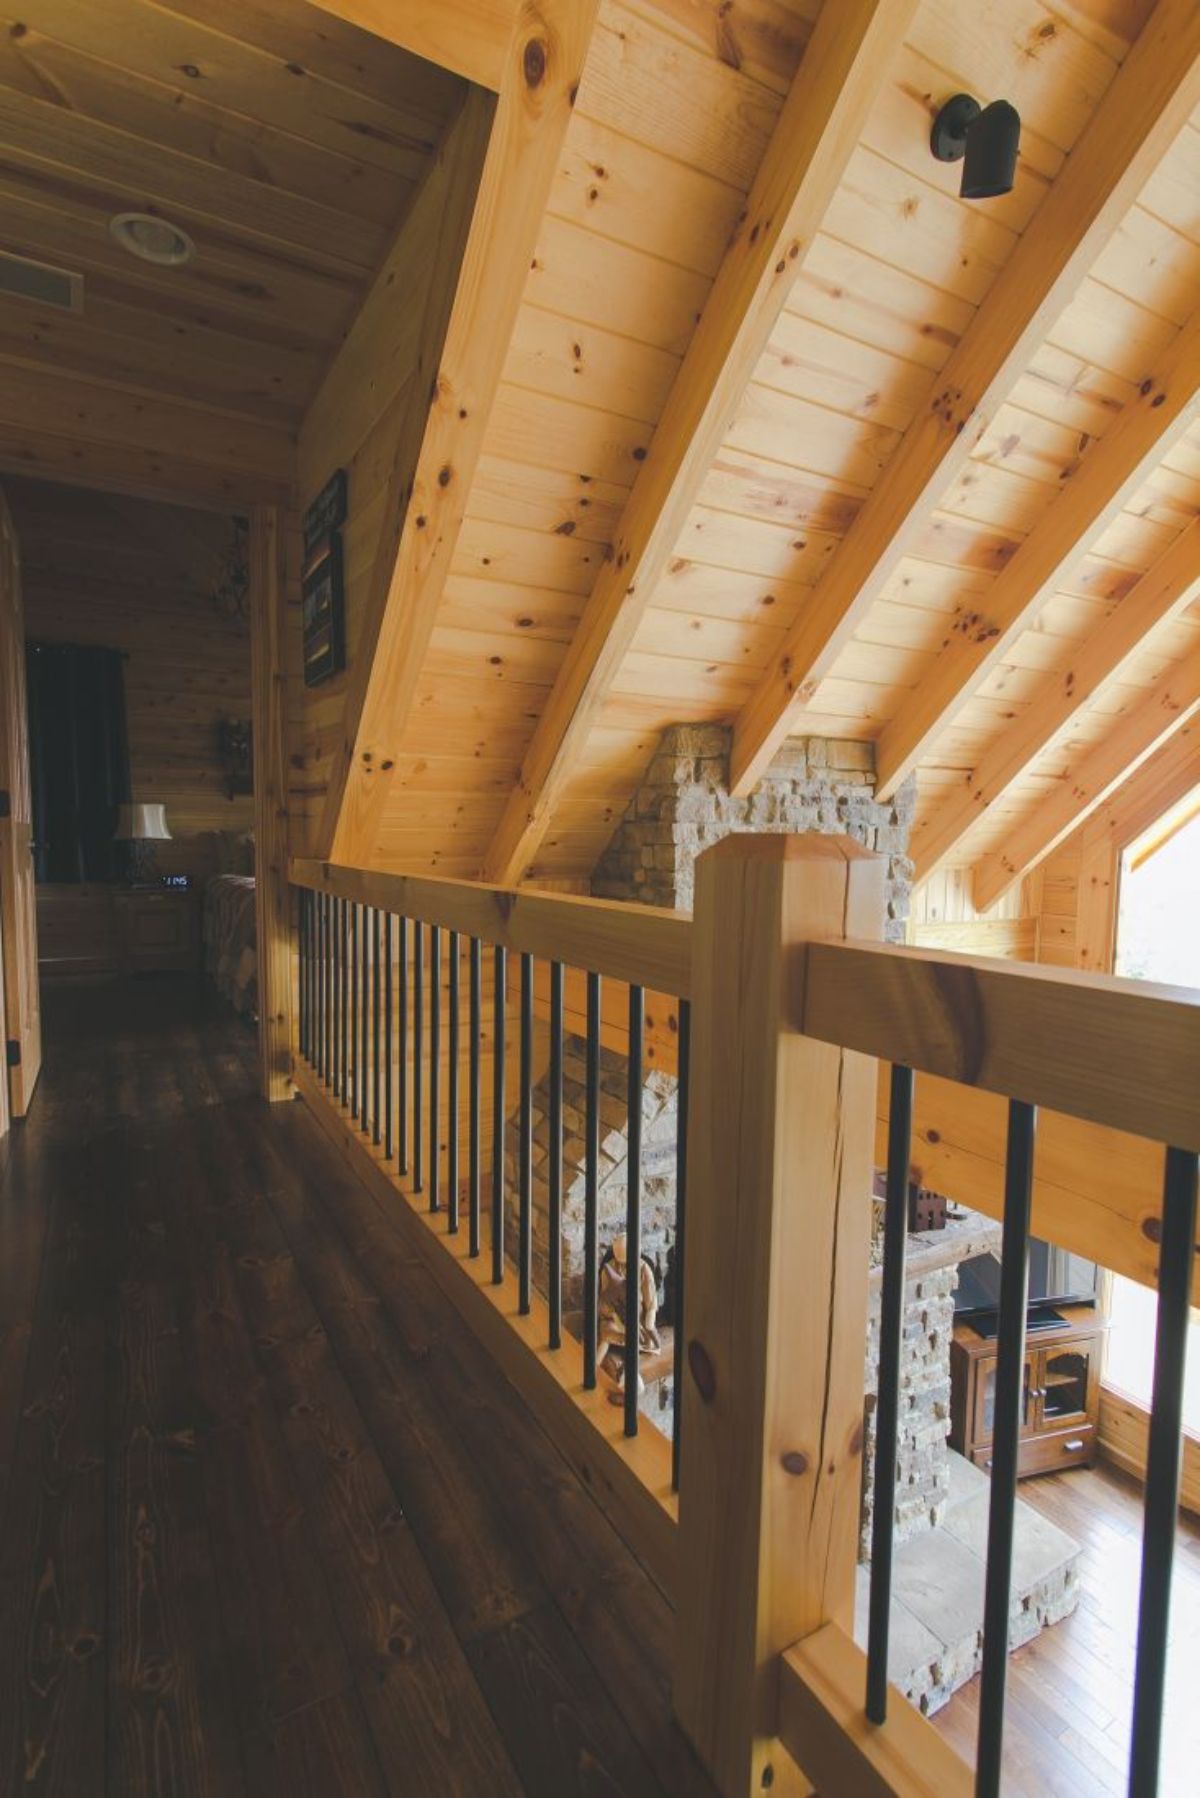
(268, 592)
(780, 1149)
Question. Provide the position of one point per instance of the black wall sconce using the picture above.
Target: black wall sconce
(984, 139)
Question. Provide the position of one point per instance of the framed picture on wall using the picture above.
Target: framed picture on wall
(323, 610)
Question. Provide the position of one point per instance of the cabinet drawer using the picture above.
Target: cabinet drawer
(1046, 1454)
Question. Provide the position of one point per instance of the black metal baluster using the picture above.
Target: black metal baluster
(554, 1167)
(498, 1103)
(452, 1095)
(402, 1056)
(389, 1125)
(591, 1191)
(344, 994)
(1163, 1460)
(310, 976)
(331, 1075)
(302, 937)
(435, 1063)
(525, 1143)
(352, 1069)
(633, 1209)
(326, 992)
(1006, 1442)
(681, 1150)
(364, 1080)
(891, 1325)
(473, 1168)
(418, 1073)
(376, 978)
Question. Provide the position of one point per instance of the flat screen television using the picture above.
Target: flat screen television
(1055, 1278)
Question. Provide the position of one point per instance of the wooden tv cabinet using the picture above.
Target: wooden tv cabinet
(1062, 1393)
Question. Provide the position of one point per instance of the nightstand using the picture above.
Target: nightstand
(158, 930)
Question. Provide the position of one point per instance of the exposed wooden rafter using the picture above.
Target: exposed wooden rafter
(1163, 592)
(843, 69)
(1148, 103)
(1170, 707)
(545, 60)
(1108, 476)
(471, 37)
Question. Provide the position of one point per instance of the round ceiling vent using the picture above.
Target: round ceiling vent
(152, 239)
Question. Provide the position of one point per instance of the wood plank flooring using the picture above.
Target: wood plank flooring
(271, 1522)
(1070, 1690)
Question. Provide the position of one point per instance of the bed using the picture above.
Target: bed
(230, 937)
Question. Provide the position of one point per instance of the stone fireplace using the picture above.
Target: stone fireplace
(683, 806)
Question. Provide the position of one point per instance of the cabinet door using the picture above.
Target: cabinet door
(1066, 1378)
(985, 1398)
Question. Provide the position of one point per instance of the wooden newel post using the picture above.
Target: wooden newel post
(780, 1152)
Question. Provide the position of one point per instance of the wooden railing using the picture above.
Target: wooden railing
(1041, 1097)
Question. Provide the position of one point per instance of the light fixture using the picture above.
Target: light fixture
(152, 239)
(141, 826)
(984, 139)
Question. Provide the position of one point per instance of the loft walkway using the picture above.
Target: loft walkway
(271, 1520)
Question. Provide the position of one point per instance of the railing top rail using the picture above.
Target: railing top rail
(1120, 1052)
(643, 944)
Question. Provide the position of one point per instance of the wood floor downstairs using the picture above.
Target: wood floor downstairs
(272, 1522)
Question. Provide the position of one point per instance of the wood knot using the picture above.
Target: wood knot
(702, 1370)
(444, 476)
(535, 62)
(1152, 1228)
(794, 1461)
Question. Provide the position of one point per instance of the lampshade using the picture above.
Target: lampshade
(140, 823)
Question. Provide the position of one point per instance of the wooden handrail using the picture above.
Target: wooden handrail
(1123, 1053)
(643, 944)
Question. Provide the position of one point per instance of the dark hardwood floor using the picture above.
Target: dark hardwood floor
(271, 1521)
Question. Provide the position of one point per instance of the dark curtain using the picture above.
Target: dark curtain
(79, 759)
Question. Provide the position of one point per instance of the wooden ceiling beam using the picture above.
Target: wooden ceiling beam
(1172, 705)
(544, 63)
(843, 68)
(1163, 592)
(1104, 482)
(471, 37)
(1147, 104)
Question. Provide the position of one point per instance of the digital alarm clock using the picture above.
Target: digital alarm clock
(179, 882)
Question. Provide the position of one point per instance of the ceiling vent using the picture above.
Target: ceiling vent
(25, 279)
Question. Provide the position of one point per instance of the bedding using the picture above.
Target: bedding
(230, 940)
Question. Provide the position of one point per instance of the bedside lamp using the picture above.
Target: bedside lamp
(142, 826)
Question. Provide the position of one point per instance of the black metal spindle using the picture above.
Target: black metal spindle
(1006, 1442)
(473, 1145)
(435, 1064)
(452, 1049)
(402, 1052)
(681, 1172)
(364, 1081)
(591, 1188)
(633, 1210)
(891, 1325)
(418, 1070)
(525, 1144)
(389, 1125)
(310, 975)
(326, 993)
(353, 1052)
(344, 994)
(331, 1072)
(498, 1103)
(554, 1166)
(376, 982)
(1163, 1461)
(302, 936)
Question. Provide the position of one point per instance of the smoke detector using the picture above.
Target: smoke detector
(152, 239)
